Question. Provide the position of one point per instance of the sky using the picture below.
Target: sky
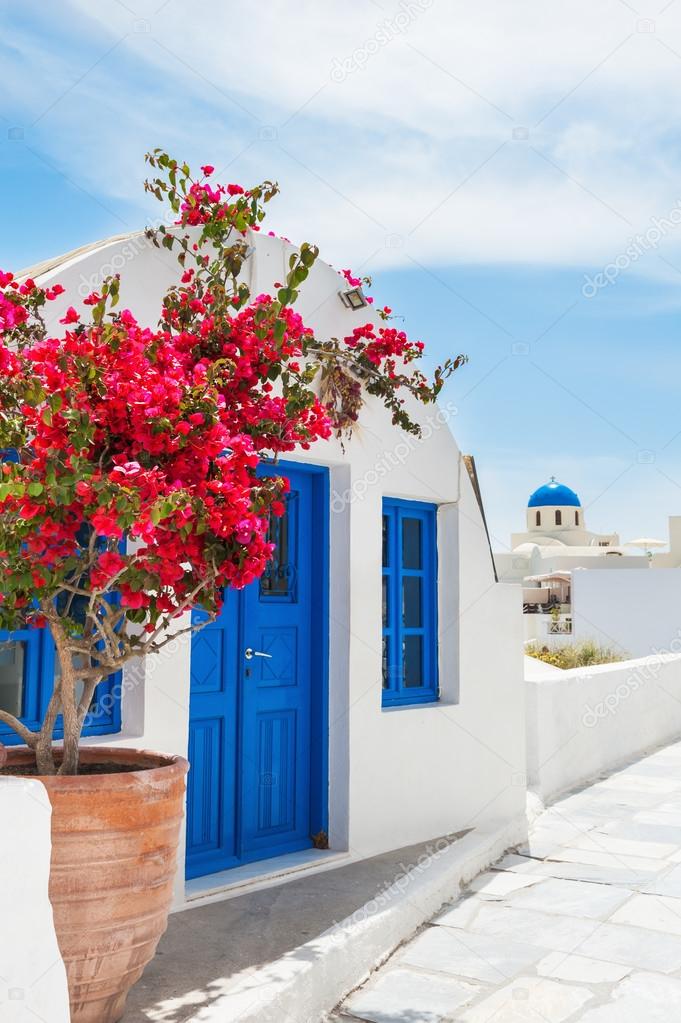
(509, 175)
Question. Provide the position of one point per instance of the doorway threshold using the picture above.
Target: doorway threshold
(261, 874)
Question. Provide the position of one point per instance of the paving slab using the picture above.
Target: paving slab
(668, 883)
(633, 946)
(646, 834)
(639, 783)
(547, 930)
(400, 995)
(600, 858)
(496, 884)
(657, 912)
(641, 998)
(582, 869)
(572, 898)
(669, 818)
(466, 954)
(526, 1000)
(580, 968)
(603, 841)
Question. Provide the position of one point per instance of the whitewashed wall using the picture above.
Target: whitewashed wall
(590, 720)
(402, 775)
(32, 975)
(635, 612)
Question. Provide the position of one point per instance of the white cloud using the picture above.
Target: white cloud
(389, 114)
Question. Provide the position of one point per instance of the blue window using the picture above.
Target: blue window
(410, 652)
(27, 669)
(27, 666)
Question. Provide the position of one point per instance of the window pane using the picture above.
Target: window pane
(386, 656)
(79, 661)
(411, 602)
(386, 541)
(12, 677)
(386, 611)
(411, 543)
(412, 661)
(277, 580)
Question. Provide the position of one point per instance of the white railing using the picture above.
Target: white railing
(560, 628)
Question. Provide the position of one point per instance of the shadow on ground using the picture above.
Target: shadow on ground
(203, 948)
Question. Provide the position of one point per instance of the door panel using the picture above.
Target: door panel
(251, 716)
(211, 795)
(276, 689)
(205, 745)
(276, 745)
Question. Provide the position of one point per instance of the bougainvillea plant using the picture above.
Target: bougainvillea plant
(129, 491)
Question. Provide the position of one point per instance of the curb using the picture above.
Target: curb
(313, 978)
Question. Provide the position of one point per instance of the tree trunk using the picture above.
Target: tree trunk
(67, 699)
(69, 710)
(44, 755)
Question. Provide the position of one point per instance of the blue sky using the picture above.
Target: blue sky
(478, 160)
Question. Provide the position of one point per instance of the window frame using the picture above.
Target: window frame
(396, 510)
(292, 506)
(38, 678)
(39, 665)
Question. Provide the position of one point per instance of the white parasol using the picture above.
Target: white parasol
(646, 543)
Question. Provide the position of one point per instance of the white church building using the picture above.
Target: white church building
(578, 585)
(380, 714)
(557, 539)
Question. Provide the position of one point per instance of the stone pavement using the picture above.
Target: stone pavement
(581, 924)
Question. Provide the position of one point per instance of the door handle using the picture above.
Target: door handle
(249, 653)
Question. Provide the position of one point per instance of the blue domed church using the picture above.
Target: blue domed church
(555, 517)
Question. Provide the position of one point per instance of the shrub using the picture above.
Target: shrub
(575, 655)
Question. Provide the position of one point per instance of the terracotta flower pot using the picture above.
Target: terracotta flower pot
(114, 852)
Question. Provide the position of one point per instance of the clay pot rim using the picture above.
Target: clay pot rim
(166, 766)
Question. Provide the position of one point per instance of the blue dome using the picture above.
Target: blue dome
(554, 493)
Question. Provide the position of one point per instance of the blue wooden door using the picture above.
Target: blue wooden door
(211, 795)
(253, 749)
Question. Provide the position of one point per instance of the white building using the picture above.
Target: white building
(557, 539)
(550, 559)
(672, 557)
(318, 712)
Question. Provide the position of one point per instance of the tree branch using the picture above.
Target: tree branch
(29, 737)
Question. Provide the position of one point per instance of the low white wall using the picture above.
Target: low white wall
(32, 975)
(590, 720)
(638, 613)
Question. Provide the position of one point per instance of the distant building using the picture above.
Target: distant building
(557, 540)
(550, 560)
